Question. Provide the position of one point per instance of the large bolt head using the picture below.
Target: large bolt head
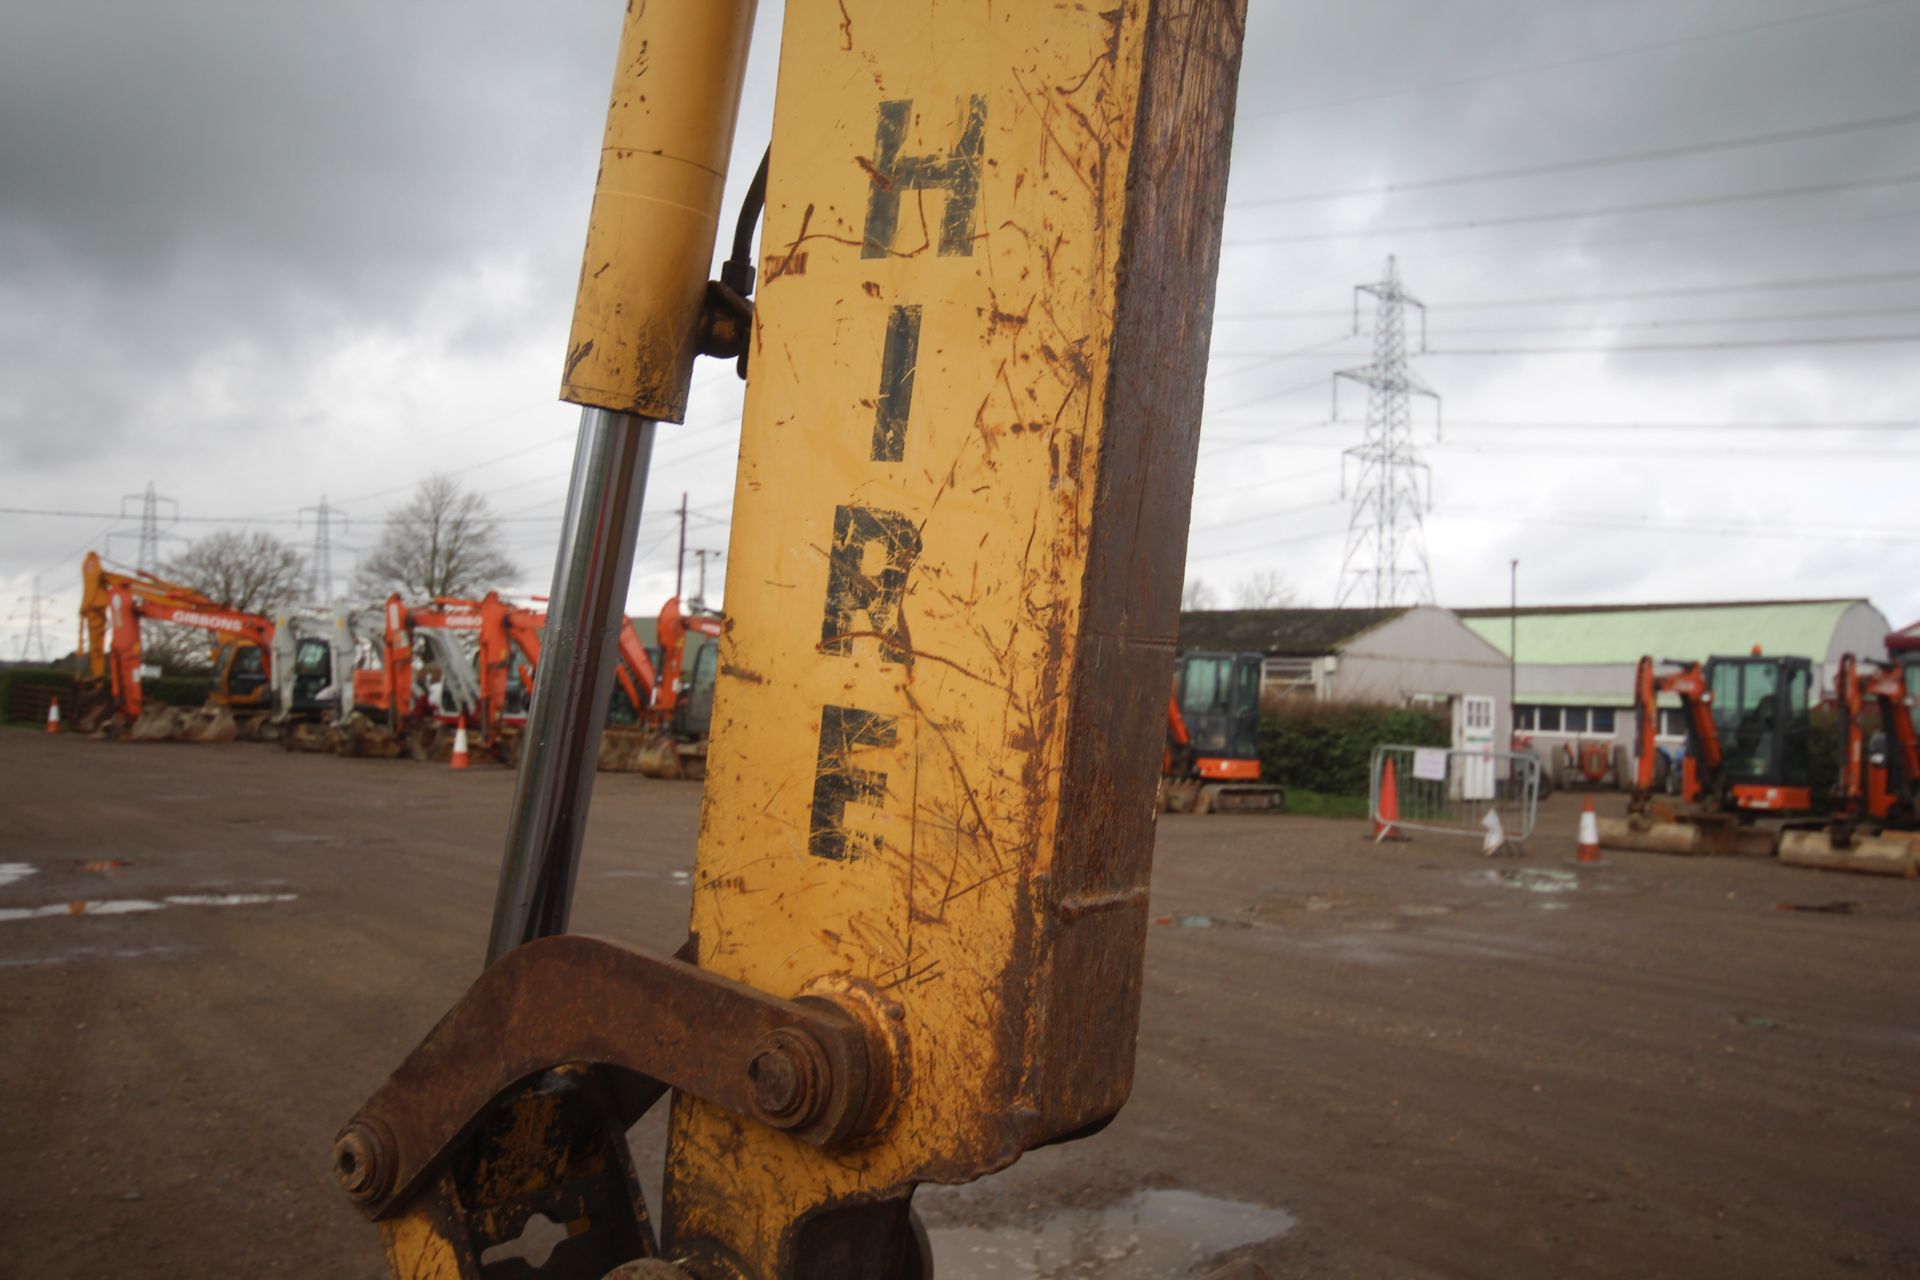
(361, 1162)
(776, 1081)
(787, 1078)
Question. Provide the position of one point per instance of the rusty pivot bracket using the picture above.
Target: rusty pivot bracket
(517, 1103)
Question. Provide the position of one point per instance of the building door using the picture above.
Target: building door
(1473, 734)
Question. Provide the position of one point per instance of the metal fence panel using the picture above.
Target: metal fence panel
(1450, 790)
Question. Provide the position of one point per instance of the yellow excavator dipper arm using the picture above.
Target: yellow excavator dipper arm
(920, 901)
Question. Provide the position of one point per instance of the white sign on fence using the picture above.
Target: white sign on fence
(149, 672)
(1430, 764)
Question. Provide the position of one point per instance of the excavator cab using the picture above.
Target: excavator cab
(1212, 760)
(240, 676)
(693, 717)
(1759, 707)
(1220, 702)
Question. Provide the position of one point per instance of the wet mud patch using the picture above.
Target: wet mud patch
(140, 906)
(1155, 1234)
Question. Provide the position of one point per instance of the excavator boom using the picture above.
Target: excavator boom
(920, 904)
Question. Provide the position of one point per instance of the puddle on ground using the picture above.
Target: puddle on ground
(14, 872)
(1532, 879)
(90, 953)
(1154, 1235)
(1203, 922)
(132, 906)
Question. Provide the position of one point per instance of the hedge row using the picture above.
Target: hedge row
(25, 692)
(1326, 746)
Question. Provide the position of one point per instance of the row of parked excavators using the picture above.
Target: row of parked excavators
(387, 680)
(1746, 781)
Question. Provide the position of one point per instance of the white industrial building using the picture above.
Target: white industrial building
(1417, 655)
(1574, 665)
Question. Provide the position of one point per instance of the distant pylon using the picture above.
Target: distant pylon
(152, 532)
(1386, 557)
(36, 638)
(320, 562)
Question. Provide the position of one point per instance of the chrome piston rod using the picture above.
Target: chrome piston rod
(561, 743)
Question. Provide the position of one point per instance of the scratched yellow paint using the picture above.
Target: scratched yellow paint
(935, 881)
(417, 1251)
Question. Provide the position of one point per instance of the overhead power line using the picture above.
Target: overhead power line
(1790, 532)
(1574, 215)
(1595, 162)
(1856, 340)
(1605, 55)
(1695, 322)
(1636, 295)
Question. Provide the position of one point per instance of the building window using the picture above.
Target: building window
(1523, 719)
(1602, 720)
(1673, 722)
(1548, 719)
(1287, 677)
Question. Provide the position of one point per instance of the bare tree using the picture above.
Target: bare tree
(441, 542)
(1264, 589)
(251, 572)
(1197, 595)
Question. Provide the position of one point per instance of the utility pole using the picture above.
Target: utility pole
(680, 560)
(701, 553)
(1513, 648)
(320, 562)
(152, 532)
(1386, 557)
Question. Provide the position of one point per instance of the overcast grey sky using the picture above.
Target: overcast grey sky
(257, 252)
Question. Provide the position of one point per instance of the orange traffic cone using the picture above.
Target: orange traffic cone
(459, 760)
(1383, 828)
(53, 716)
(1589, 853)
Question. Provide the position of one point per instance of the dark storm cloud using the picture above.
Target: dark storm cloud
(185, 177)
(207, 208)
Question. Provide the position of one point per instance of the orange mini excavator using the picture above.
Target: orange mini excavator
(1871, 826)
(1746, 762)
(1212, 759)
(112, 607)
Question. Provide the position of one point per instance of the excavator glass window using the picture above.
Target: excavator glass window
(1910, 669)
(312, 672)
(1797, 768)
(1220, 701)
(1760, 714)
(694, 715)
(246, 680)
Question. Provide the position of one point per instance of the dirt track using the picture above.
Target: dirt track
(1438, 1065)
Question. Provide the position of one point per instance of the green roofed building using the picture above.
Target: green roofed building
(1574, 665)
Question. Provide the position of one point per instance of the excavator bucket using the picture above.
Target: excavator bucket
(156, 723)
(306, 736)
(255, 726)
(1889, 853)
(205, 724)
(367, 739)
(622, 750)
(1702, 835)
(659, 757)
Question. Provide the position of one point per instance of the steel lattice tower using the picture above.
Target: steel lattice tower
(36, 637)
(151, 534)
(320, 562)
(1386, 557)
